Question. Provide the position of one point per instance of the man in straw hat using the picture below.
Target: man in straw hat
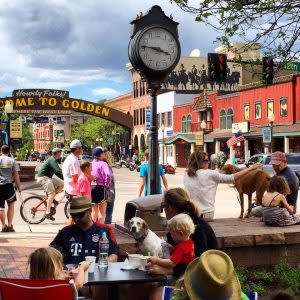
(82, 239)
(212, 276)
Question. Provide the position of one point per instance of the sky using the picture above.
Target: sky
(81, 45)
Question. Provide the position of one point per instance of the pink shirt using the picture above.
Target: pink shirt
(84, 187)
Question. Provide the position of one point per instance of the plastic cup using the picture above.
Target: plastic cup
(92, 260)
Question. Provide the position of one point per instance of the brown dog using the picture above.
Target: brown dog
(255, 181)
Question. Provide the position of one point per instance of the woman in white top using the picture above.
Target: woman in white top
(202, 182)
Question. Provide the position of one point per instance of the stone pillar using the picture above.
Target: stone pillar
(192, 148)
(217, 146)
(286, 144)
(205, 147)
(174, 155)
(246, 150)
(266, 150)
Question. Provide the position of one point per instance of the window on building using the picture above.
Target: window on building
(170, 151)
(169, 118)
(189, 123)
(141, 116)
(183, 123)
(223, 118)
(144, 115)
(158, 120)
(258, 110)
(163, 121)
(230, 118)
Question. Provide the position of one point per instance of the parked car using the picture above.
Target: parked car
(33, 156)
(65, 153)
(293, 161)
(42, 157)
(86, 156)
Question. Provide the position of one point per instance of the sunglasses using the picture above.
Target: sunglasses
(164, 206)
(78, 215)
(205, 160)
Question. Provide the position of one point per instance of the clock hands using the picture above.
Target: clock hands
(156, 49)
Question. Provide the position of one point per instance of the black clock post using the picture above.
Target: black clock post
(154, 51)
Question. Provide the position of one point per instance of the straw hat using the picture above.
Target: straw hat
(212, 276)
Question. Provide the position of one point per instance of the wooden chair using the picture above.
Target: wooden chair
(26, 289)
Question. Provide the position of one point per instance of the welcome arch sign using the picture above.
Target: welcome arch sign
(58, 102)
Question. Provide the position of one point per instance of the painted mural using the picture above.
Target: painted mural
(191, 74)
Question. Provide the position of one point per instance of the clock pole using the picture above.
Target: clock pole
(153, 176)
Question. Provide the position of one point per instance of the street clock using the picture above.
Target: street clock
(154, 48)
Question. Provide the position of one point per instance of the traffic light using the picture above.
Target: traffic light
(217, 67)
(268, 70)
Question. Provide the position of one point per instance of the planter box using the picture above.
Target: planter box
(27, 173)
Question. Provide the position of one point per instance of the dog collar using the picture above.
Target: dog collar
(141, 239)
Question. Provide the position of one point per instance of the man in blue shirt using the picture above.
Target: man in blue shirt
(144, 176)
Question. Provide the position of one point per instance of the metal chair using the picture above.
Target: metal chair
(26, 289)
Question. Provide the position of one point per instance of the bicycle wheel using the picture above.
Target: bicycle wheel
(67, 209)
(29, 211)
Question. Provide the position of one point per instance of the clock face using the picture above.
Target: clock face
(158, 49)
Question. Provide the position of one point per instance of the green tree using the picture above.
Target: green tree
(95, 128)
(273, 24)
(27, 142)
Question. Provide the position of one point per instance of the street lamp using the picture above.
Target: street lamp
(162, 127)
(271, 118)
(8, 109)
(203, 127)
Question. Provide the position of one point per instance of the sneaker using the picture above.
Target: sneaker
(10, 229)
(50, 217)
(4, 229)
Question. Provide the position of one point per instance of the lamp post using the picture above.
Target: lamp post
(162, 127)
(203, 127)
(271, 119)
(8, 109)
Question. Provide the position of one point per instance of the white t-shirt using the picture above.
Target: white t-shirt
(203, 187)
(71, 167)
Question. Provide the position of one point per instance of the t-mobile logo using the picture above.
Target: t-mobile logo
(76, 248)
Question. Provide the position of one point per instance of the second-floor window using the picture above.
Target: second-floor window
(163, 121)
(230, 118)
(223, 117)
(169, 118)
(183, 124)
(189, 123)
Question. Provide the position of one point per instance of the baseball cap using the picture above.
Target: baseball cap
(56, 150)
(277, 157)
(97, 151)
(75, 144)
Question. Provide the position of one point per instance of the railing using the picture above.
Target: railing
(197, 126)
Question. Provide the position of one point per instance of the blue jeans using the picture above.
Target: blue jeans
(109, 209)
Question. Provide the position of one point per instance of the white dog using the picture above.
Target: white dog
(147, 240)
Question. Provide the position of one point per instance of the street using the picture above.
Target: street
(127, 183)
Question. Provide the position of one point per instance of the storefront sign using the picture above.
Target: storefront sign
(15, 131)
(199, 139)
(170, 132)
(148, 117)
(267, 135)
(242, 127)
(39, 100)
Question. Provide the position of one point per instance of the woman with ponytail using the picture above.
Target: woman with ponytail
(177, 201)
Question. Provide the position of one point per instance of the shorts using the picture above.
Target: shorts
(49, 184)
(98, 194)
(7, 193)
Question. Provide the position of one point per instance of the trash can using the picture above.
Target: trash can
(149, 209)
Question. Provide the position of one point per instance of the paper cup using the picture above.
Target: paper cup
(134, 260)
(92, 260)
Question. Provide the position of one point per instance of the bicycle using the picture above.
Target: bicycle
(33, 208)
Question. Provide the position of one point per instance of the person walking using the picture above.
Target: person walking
(9, 173)
(144, 171)
(100, 186)
(45, 178)
(71, 169)
(202, 182)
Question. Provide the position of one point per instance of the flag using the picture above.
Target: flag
(238, 137)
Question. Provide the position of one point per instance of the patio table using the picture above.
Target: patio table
(113, 276)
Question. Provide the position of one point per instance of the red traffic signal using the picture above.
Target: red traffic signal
(222, 59)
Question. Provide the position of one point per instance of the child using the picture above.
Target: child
(276, 210)
(84, 185)
(47, 264)
(181, 227)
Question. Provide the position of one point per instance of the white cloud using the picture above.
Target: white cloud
(105, 92)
